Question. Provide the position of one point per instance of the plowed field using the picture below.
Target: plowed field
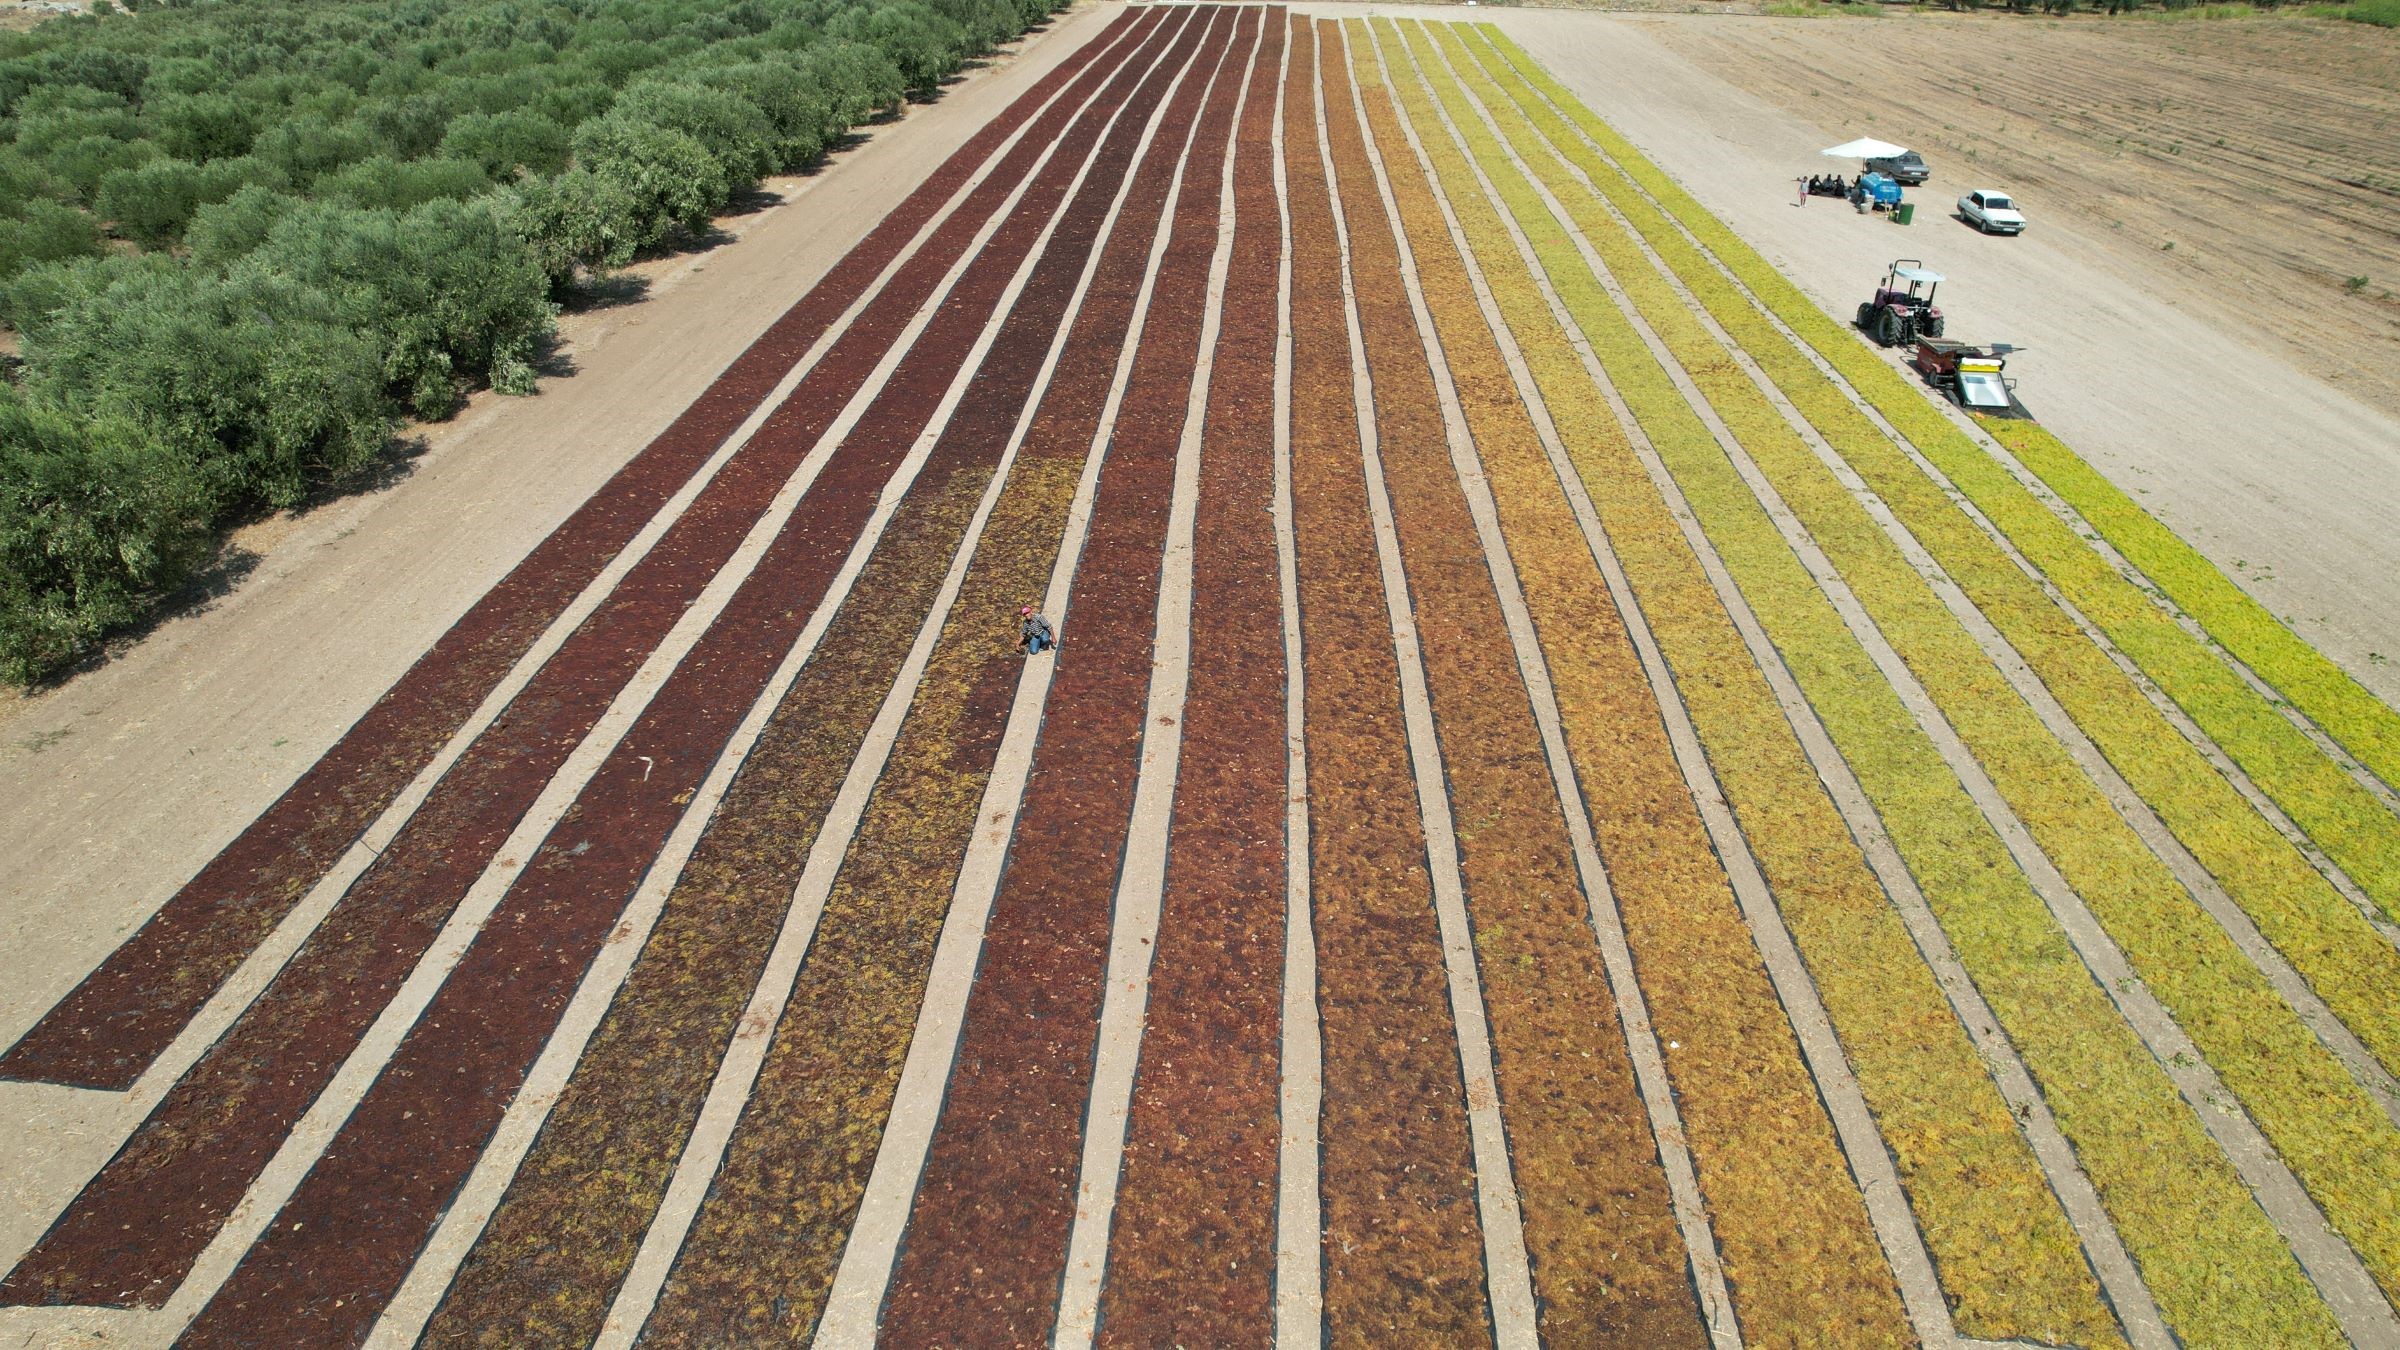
(1573, 804)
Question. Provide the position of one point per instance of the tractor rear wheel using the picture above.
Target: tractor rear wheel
(1887, 328)
(1933, 326)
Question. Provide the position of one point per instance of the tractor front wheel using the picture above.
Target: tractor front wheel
(1866, 317)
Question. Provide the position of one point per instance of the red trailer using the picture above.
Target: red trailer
(1971, 376)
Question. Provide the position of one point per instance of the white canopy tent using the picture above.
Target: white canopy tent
(1866, 147)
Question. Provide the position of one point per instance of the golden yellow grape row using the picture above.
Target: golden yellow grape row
(2342, 816)
(2213, 1260)
(1793, 1230)
(2336, 1138)
(2006, 1253)
(2351, 965)
(1599, 1224)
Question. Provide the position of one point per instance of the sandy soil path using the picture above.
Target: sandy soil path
(2285, 479)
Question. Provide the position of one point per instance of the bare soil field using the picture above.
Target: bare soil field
(2247, 168)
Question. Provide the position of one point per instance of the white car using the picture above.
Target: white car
(1991, 212)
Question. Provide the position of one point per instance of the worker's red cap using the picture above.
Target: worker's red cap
(1027, 610)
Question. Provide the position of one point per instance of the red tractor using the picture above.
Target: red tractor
(1902, 310)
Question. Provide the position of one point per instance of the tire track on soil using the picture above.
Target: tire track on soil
(1299, 1208)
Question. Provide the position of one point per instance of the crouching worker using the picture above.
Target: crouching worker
(1034, 633)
